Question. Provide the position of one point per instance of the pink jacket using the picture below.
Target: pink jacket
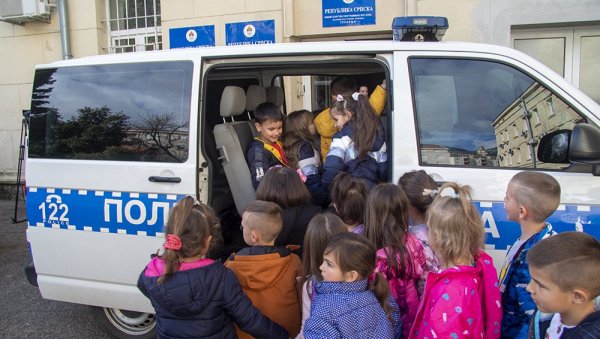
(404, 290)
(461, 302)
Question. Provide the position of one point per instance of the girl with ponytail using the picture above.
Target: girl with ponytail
(353, 300)
(359, 147)
(192, 295)
(400, 255)
(463, 298)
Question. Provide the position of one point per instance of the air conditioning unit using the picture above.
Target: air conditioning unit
(20, 11)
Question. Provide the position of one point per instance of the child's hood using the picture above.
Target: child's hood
(261, 271)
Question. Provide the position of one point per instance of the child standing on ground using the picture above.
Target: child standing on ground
(300, 147)
(420, 189)
(352, 300)
(400, 256)
(462, 300)
(193, 296)
(565, 272)
(344, 85)
(268, 273)
(359, 147)
(531, 197)
(320, 230)
(349, 197)
(266, 150)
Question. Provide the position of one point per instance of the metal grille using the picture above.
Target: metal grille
(133, 25)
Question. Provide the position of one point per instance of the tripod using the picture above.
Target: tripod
(24, 129)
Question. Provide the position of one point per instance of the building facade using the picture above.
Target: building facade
(565, 35)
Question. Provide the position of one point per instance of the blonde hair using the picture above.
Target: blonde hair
(456, 230)
(538, 192)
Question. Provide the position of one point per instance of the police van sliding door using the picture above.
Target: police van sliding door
(111, 149)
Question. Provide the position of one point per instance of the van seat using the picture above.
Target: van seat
(255, 95)
(232, 139)
(275, 95)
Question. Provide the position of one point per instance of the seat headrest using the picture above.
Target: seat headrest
(275, 95)
(255, 96)
(233, 101)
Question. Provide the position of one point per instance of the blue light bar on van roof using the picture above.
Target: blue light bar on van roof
(419, 28)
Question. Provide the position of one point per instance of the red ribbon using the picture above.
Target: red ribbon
(172, 242)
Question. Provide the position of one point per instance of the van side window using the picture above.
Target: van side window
(478, 113)
(128, 112)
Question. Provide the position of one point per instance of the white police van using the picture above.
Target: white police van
(116, 140)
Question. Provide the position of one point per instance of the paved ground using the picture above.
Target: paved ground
(23, 312)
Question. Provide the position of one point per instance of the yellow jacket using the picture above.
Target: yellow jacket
(326, 125)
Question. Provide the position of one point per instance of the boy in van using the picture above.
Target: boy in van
(564, 273)
(266, 150)
(346, 86)
(531, 197)
(267, 272)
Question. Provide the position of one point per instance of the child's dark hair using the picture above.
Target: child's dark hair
(349, 196)
(455, 227)
(283, 186)
(364, 122)
(193, 222)
(320, 230)
(571, 259)
(343, 85)
(537, 191)
(413, 183)
(267, 111)
(296, 133)
(353, 252)
(386, 226)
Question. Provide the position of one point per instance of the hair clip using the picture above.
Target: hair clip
(430, 192)
(355, 96)
(448, 192)
(339, 98)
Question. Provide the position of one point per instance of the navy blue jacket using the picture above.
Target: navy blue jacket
(343, 157)
(203, 303)
(259, 161)
(309, 162)
(589, 328)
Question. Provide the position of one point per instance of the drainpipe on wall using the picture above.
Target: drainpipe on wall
(64, 29)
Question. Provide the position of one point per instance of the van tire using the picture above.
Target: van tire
(122, 324)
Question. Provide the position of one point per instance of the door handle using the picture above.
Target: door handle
(174, 180)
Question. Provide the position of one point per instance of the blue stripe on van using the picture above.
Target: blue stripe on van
(501, 233)
(146, 214)
(99, 211)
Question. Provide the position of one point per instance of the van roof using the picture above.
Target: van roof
(294, 48)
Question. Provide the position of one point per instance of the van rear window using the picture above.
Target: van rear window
(127, 112)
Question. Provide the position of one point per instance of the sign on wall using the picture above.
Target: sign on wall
(337, 13)
(250, 32)
(198, 36)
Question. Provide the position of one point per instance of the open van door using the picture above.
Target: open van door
(111, 148)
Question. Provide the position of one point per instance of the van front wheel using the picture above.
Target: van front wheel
(122, 324)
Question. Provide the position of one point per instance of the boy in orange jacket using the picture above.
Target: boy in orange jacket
(268, 273)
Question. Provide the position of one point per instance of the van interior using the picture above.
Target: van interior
(231, 91)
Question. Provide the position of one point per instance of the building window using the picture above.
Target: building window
(550, 107)
(134, 25)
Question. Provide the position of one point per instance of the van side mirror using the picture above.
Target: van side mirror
(554, 147)
(585, 144)
(582, 145)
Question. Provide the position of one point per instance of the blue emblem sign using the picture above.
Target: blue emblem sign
(198, 36)
(337, 13)
(250, 33)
